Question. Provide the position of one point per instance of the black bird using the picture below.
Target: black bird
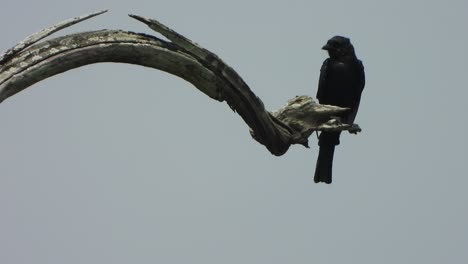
(341, 83)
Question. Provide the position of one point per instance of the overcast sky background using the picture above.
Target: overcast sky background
(116, 163)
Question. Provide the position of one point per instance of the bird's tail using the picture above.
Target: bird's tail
(323, 169)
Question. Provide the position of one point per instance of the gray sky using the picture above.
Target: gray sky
(115, 163)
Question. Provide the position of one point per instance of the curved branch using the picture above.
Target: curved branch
(26, 64)
(64, 53)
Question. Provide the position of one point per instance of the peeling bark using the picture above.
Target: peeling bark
(30, 62)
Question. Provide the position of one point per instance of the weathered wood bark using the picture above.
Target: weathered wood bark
(30, 62)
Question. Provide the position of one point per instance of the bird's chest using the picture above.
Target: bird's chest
(339, 85)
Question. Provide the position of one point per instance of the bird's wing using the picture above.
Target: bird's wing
(322, 80)
(362, 76)
(359, 86)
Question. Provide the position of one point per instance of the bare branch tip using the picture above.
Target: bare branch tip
(139, 18)
(93, 14)
(152, 23)
(102, 12)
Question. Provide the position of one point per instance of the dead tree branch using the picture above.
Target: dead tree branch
(31, 61)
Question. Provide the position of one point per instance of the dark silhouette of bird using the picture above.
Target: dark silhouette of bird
(341, 83)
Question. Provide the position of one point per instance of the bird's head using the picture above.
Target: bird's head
(339, 47)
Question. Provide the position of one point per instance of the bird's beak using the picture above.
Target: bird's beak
(326, 47)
